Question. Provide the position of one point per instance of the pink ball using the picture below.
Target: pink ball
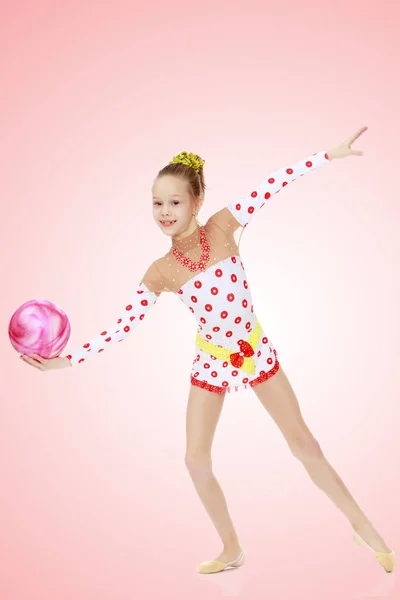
(41, 327)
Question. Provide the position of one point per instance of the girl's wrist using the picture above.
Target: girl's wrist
(332, 154)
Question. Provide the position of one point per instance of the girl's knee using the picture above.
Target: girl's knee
(198, 463)
(305, 447)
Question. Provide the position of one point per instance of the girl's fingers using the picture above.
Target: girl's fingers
(357, 135)
(31, 362)
(35, 360)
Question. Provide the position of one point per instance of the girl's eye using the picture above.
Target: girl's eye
(174, 202)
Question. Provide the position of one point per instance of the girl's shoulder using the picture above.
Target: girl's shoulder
(224, 220)
(153, 278)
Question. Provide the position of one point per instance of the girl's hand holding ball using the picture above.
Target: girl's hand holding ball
(47, 364)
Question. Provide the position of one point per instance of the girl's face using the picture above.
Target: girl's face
(171, 202)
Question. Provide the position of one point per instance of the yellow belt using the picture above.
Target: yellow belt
(242, 359)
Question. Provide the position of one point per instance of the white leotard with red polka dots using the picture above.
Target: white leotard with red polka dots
(220, 300)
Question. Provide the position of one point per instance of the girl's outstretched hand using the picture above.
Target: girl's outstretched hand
(47, 364)
(344, 149)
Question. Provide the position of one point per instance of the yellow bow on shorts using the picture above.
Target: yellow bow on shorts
(240, 360)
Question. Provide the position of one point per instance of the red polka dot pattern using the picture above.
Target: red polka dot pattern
(227, 319)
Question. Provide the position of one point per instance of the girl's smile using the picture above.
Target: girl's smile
(167, 223)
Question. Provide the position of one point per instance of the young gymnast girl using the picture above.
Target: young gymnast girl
(204, 269)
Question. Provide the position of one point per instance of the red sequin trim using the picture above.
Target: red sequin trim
(264, 376)
(207, 386)
(221, 390)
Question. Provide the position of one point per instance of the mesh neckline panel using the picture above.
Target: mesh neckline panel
(172, 274)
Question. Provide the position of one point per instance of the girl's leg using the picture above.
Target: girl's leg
(277, 396)
(203, 412)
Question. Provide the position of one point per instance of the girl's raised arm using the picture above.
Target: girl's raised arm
(239, 213)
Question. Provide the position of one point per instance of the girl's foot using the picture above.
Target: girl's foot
(229, 558)
(372, 537)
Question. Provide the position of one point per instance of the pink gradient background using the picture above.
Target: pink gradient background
(96, 502)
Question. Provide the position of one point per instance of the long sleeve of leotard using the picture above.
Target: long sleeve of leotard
(131, 315)
(244, 209)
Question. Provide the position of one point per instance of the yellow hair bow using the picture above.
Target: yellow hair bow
(189, 159)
